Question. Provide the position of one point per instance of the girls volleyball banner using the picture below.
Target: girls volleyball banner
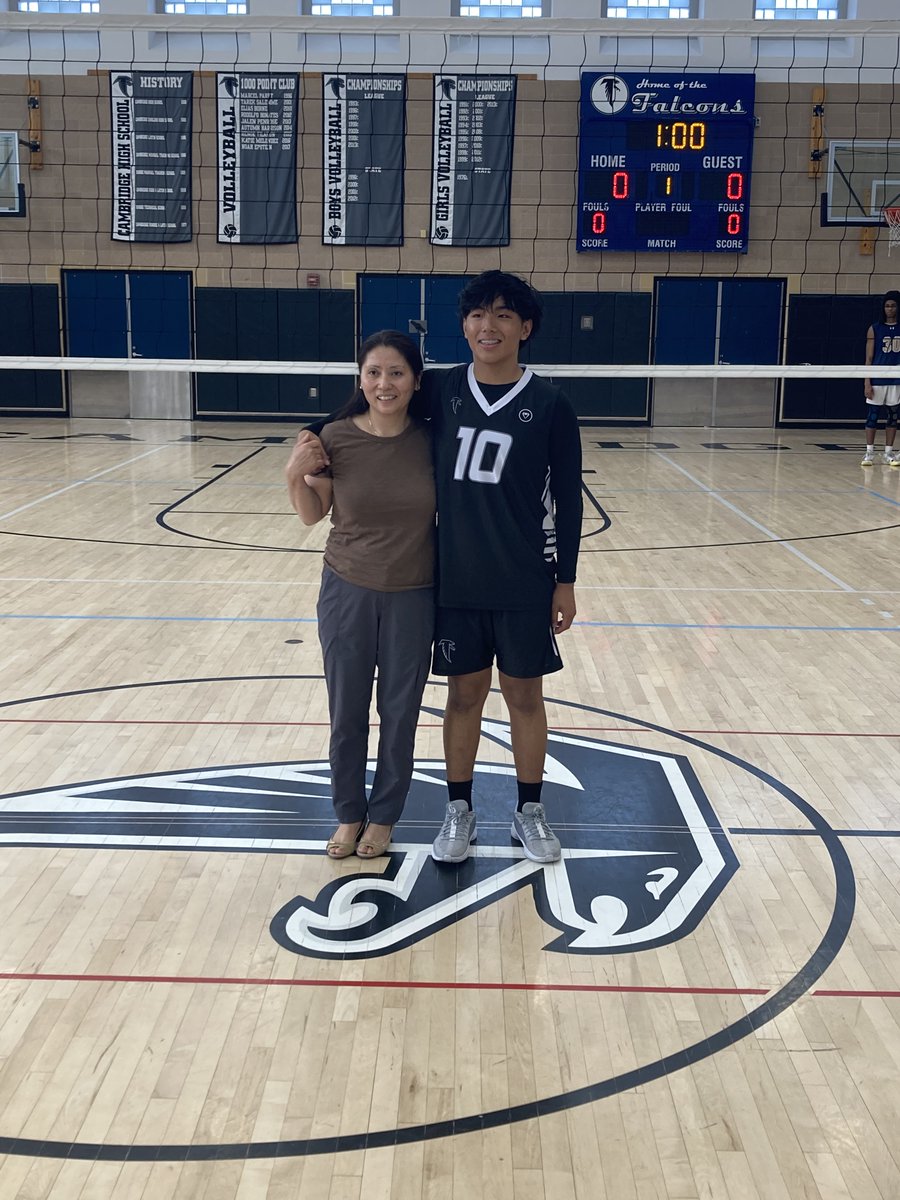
(257, 158)
(363, 126)
(151, 123)
(474, 123)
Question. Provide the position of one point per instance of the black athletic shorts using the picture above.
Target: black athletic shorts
(469, 639)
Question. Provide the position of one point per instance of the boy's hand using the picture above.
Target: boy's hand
(308, 455)
(562, 608)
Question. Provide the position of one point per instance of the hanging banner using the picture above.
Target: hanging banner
(257, 158)
(474, 120)
(363, 127)
(151, 121)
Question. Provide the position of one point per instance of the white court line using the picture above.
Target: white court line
(79, 483)
(756, 525)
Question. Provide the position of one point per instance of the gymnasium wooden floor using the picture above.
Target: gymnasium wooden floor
(701, 1000)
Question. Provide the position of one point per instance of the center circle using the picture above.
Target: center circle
(800, 983)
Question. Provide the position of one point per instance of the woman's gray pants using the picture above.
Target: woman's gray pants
(361, 630)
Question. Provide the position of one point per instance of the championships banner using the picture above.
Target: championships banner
(151, 122)
(364, 122)
(257, 158)
(474, 121)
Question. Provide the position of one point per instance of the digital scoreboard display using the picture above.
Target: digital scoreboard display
(664, 162)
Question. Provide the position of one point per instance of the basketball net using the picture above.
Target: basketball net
(892, 217)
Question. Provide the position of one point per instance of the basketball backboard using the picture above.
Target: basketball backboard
(863, 179)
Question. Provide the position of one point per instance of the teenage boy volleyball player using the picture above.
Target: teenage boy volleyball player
(508, 477)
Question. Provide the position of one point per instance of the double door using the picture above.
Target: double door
(724, 322)
(128, 315)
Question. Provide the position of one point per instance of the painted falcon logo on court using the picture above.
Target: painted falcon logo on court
(644, 855)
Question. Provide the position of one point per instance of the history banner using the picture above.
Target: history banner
(363, 128)
(474, 124)
(257, 157)
(151, 123)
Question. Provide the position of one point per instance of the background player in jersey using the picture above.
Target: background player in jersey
(883, 392)
(508, 476)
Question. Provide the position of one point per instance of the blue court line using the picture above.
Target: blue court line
(585, 624)
(878, 496)
(773, 628)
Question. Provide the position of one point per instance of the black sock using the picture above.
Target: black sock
(529, 793)
(460, 791)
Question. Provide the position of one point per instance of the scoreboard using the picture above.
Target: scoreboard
(664, 162)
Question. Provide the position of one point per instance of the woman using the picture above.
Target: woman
(373, 473)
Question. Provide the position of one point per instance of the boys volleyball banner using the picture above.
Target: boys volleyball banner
(474, 120)
(363, 125)
(257, 158)
(151, 122)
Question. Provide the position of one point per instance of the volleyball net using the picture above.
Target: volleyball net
(659, 394)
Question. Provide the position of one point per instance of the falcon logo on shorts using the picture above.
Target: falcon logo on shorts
(644, 855)
(447, 648)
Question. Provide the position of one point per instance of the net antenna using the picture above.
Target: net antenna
(892, 220)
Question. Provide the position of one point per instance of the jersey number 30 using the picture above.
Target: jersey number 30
(474, 451)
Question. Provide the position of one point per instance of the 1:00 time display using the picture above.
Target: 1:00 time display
(679, 135)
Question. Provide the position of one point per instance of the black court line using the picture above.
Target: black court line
(808, 973)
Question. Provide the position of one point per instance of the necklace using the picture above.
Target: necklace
(376, 432)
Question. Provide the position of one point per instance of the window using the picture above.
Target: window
(499, 8)
(9, 173)
(347, 8)
(800, 10)
(654, 9)
(59, 6)
(202, 8)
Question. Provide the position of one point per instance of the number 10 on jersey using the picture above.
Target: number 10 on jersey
(481, 458)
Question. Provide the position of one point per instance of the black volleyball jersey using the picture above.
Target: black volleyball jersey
(887, 351)
(508, 477)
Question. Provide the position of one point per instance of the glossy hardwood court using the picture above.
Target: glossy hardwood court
(700, 1001)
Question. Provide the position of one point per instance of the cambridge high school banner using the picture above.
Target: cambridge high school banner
(151, 119)
(474, 121)
(364, 121)
(257, 158)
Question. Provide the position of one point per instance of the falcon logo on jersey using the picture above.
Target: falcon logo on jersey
(643, 853)
(456, 403)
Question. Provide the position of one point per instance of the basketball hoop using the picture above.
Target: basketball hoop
(892, 217)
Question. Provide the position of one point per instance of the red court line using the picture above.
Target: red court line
(807, 733)
(620, 988)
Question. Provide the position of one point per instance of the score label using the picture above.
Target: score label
(664, 162)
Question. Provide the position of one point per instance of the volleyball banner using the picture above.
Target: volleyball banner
(474, 120)
(256, 129)
(151, 124)
(363, 127)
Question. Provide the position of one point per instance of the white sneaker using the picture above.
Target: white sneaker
(868, 459)
(892, 458)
